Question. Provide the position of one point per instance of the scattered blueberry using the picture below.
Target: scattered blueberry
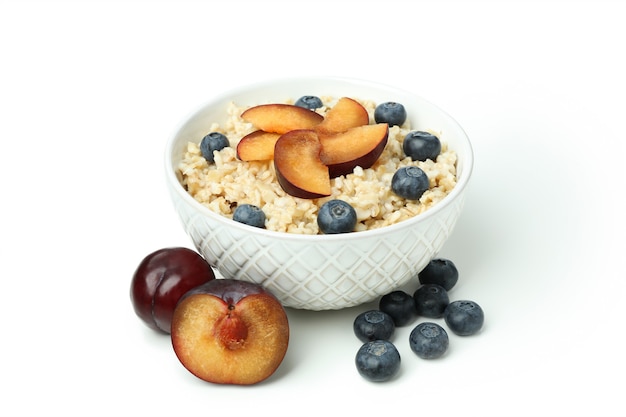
(392, 113)
(373, 325)
(421, 146)
(464, 317)
(400, 306)
(309, 102)
(378, 360)
(336, 216)
(214, 141)
(249, 214)
(431, 300)
(440, 271)
(429, 340)
(410, 182)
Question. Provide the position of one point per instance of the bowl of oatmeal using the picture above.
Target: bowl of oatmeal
(290, 254)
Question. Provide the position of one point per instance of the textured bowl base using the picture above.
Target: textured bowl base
(332, 275)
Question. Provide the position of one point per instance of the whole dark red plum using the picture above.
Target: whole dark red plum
(161, 279)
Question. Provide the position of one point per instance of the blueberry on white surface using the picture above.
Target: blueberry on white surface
(440, 271)
(421, 146)
(336, 216)
(378, 360)
(373, 325)
(410, 182)
(429, 340)
(249, 214)
(309, 102)
(214, 141)
(464, 317)
(400, 306)
(392, 113)
(431, 300)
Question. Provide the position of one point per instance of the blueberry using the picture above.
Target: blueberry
(440, 271)
(464, 317)
(410, 182)
(392, 113)
(421, 146)
(336, 216)
(309, 102)
(431, 300)
(429, 340)
(214, 141)
(378, 360)
(249, 214)
(373, 325)
(400, 306)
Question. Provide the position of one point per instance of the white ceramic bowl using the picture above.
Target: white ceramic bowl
(320, 272)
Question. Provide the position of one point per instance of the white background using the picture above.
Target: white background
(90, 92)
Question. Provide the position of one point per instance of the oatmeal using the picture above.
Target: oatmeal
(228, 181)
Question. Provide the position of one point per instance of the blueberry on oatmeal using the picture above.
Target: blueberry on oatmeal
(309, 102)
(392, 113)
(421, 146)
(336, 216)
(410, 182)
(214, 141)
(249, 214)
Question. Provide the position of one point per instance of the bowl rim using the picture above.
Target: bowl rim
(172, 177)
